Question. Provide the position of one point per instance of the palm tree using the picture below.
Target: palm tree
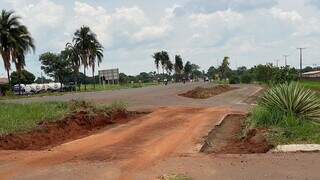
(169, 67)
(84, 40)
(187, 69)
(178, 66)
(164, 60)
(73, 56)
(157, 58)
(15, 41)
(96, 53)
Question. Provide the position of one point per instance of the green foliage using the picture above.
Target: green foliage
(246, 78)
(224, 69)
(263, 73)
(212, 71)
(25, 77)
(56, 66)
(284, 129)
(294, 100)
(234, 80)
(15, 41)
(285, 75)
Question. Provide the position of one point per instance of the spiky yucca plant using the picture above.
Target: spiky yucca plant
(293, 99)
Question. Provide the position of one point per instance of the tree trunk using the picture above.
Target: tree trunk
(94, 79)
(8, 75)
(84, 80)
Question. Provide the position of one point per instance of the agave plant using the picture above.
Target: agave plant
(293, 99)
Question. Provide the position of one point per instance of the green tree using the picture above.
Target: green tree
(15, 41)
(88, 46)
(157, 58)
(212, 71)
(224, 69)
(178, 66)
(187, 69)
(56, 66)
(72, 55)
(25, 77)
(165, 61)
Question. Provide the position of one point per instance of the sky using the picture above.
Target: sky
(250, 32)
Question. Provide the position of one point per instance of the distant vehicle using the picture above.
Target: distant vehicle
(28, 89)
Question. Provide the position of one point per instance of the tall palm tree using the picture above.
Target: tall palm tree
(178, 66)
(96, 55)
(164, 60)
(157, 58)
(73, 56)
(15, 41)
(84, 39)
(169, 67)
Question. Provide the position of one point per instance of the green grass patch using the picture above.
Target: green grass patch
(311, 85)
(284, 129)
(23, 117)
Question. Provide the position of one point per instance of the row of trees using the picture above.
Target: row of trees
(181, 70)
(15, 42)
(85, 50)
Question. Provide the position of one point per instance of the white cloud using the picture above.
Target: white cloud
(228, 17)
(289, 16)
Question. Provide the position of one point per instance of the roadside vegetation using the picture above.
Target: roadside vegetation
(26, 117)
(290, 113)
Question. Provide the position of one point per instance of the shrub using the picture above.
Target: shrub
(246, 78)
(293, 99)
(234, 80)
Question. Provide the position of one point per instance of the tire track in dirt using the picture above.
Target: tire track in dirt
(130, 147)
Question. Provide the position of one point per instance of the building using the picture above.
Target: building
(311, 76)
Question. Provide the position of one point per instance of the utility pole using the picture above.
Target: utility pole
(285, 59)
(300, 50)
(41, 78)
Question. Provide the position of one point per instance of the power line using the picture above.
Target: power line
(301, 56)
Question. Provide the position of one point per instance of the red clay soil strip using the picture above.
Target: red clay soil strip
(204, 93)
(50, 134)
(224, 139)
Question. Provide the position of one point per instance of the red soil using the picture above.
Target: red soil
(204, 93)
(224, 139)
(50, 134)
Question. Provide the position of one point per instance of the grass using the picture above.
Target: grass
(312, 85)
(90, 88)
(25, 117)
(284, 129)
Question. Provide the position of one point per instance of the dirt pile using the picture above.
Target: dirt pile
(75, 126)
(225, 138)
(204, 93)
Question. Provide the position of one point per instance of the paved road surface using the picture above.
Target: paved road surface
(156, 96)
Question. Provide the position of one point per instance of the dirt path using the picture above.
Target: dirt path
(120, 152)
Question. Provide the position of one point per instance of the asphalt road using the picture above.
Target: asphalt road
(156, 96)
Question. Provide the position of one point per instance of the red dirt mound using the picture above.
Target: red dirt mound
(224, 139)
(204, 93)
(75, 126)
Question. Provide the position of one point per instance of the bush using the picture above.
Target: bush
(234, 80)
(293, 100)
(246, 78)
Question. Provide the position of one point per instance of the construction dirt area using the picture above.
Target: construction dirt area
(162, 134)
